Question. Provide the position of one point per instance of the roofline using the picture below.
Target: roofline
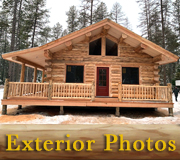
(143, 40)
(60, 40)
(89, 29)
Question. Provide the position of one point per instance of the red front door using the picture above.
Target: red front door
(102, 85)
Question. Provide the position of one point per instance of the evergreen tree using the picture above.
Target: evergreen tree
(44, 36)
(101, 12)
(57, 31)
(22, 25)
(84, 16)
(72, 20)
(117, 14)
(127, 24)
(64, 33)
(91, 7)
(155, 22)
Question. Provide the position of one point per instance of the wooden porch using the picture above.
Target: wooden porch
(82, 94)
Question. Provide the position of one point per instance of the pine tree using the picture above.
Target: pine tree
(84, 16)
(57, 31)
(127, 24)
(176, 18)
(101, 12)
(72, 20)
(91, 7)
(44, 36)
(155, 22)
(64, 33)
(117, 14)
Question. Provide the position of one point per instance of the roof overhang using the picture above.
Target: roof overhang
(35, 57)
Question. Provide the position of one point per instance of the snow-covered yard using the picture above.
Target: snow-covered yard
(75, 115)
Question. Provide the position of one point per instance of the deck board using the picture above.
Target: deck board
(107, 102)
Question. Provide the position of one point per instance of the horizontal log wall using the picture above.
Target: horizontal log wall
(115, 78)
(90, 70)
(79, 55)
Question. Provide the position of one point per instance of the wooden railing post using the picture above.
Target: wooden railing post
(35, 74)
(120, 92)
(50, 90)
(157, 91)
(169, 92)
(93, 91)
(5, 95)
(170, 98)
(43, 72)
(22, 72)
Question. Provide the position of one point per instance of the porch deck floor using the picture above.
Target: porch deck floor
(98, 102)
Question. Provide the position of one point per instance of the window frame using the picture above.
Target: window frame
(117, 48)
(128, 66)
(73, 64)
(108, 37)
(96, 38)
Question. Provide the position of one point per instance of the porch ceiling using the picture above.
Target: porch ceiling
(36, 55)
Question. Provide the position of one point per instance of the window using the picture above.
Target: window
(95, 47)
(130, 75)
(102, 77)
(111, 48)
(74, 74)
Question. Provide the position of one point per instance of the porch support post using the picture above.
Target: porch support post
(19, 107)
(61, 112)
(157, 91)
(120, 92)
(6, 87)
(117, 112)
(170, 98)
(35, 74)
(170, 112)
(93, 91)
(50, 90)
(43, 72)
(22, 72)
(169, 92)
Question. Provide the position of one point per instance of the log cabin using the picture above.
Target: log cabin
(103, 65)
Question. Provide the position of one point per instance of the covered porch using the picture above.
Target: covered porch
(83, 94)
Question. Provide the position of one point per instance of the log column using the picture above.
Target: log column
(120, 92)
(50, 90)
(43, 72)
(22, 72)
(6, 88)
(93, 91)
(35, 74)
(170, 99)
(22, 79)
(117, 112)
(61, 112)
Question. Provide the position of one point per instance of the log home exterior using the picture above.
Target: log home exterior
(104, 65)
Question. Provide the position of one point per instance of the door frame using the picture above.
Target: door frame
(105, 66)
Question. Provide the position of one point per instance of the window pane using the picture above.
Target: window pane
(95, 47)
(111, 48)
(102, 77)
(74, 74)
(130, 75)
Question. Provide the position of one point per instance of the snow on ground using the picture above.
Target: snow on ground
(86, 115)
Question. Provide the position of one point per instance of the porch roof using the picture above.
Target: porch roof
(34, 57)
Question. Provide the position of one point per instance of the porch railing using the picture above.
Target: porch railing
(28, 89)
(50, 90)
(85, 91)
(144, 93)
(72, 90)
